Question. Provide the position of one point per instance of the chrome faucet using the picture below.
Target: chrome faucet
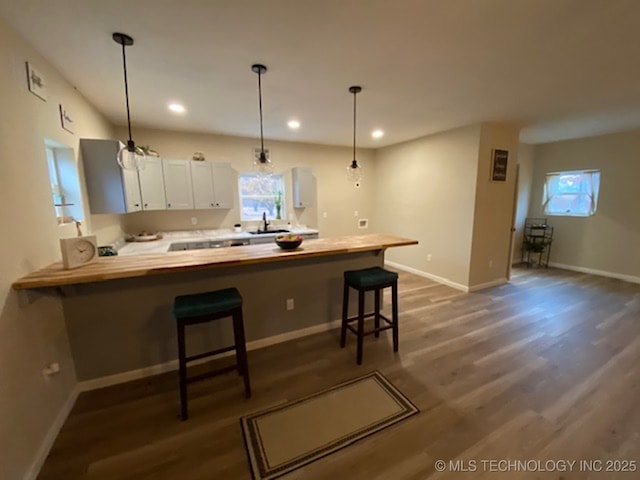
(264, 221)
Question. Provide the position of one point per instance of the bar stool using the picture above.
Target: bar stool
(365, 280)
(206, 307)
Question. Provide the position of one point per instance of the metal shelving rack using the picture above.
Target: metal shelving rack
(536, 242)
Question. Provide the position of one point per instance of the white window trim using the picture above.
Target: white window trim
(593, 192)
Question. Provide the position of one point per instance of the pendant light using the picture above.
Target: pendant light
(261, 162)
(129, 157)
(354, 169)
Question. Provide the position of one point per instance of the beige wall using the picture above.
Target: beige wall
(494, 207)
(336, 196)
(33, 336)
(425, 189)
(607, 241)
(525, 178)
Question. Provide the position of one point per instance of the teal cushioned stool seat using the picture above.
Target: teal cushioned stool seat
(364, 280)
(206, 307)
(207, 303)
(369, 277)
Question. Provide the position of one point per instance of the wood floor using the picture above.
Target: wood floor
(543, 369)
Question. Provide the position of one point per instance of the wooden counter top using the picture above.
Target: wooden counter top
(111, 268)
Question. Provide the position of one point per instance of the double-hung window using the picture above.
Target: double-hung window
(573, 193)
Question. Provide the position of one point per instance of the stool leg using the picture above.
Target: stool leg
(394, 306)
(241, 350)
(345, 312)
(182, 372)
(360, 325)
(377, 313)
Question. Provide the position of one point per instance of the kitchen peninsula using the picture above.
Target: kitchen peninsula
(118, 311)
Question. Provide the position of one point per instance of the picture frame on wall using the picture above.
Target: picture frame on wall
(65, 119)
(36, 82)
(499, 163)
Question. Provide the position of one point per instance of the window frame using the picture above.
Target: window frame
(589, 187)
(271, 211)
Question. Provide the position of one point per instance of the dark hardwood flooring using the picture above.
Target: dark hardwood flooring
(543, 368)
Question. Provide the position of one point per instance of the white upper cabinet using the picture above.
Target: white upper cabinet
(132, 194)
(304, 187)
(152, 184)
(225, 180)
(109, 188)
(202, 178)
(177, 184)
(213, 184)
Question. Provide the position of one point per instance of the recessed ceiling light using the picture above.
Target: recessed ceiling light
(377, 133)
(293, 124)
(177, 108)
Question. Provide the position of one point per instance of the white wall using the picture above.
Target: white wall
(425, 189)
(608, 241)
(336, 196)
(33, 336)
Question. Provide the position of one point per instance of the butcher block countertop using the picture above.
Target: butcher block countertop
(118, 267)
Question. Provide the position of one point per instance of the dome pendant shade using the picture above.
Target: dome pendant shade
(129, 157)
(354, 169)
(262, 163)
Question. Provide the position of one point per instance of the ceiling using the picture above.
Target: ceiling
(557, 68)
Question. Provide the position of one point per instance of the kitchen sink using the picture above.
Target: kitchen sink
(260, 232)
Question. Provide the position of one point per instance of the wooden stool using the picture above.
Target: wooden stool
(201, 308)
(364, 280)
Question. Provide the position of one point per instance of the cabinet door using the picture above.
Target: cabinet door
(177, 184)
(132, 190)
(225, 180)
(304, 187)
(202, 179)
(152, 185)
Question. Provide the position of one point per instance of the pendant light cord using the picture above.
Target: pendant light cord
(260, 102)
(354, 125)
(126, 89)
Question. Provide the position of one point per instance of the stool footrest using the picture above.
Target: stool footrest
(369, 315)
(213, 373)
(209, 354)
(369, 332)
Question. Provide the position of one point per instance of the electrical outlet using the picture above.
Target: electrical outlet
(355, 213)
(194, 220)
(324, 214)
(428, 257)
(290, 304)
(490, 263)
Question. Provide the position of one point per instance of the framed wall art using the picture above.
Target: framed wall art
(499, 165)
(36, 82)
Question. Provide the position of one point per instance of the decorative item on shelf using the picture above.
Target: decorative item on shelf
(78, 251)
(278, 204)
(107, 251)
(198, 156)
(354, 169)
(36, 82)
(237, 228)
(262, 163)
(148, 151)
(288, 241)
(129, 157)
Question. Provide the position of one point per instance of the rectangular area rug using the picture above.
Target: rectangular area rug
(286, 437)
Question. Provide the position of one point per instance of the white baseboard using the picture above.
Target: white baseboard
(493, 283)
(435, 278)
(52, 434)
(593, 271)
(172, 365)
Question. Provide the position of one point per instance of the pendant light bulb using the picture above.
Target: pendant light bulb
(262, 163)
(354, 169)
(129, 157)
